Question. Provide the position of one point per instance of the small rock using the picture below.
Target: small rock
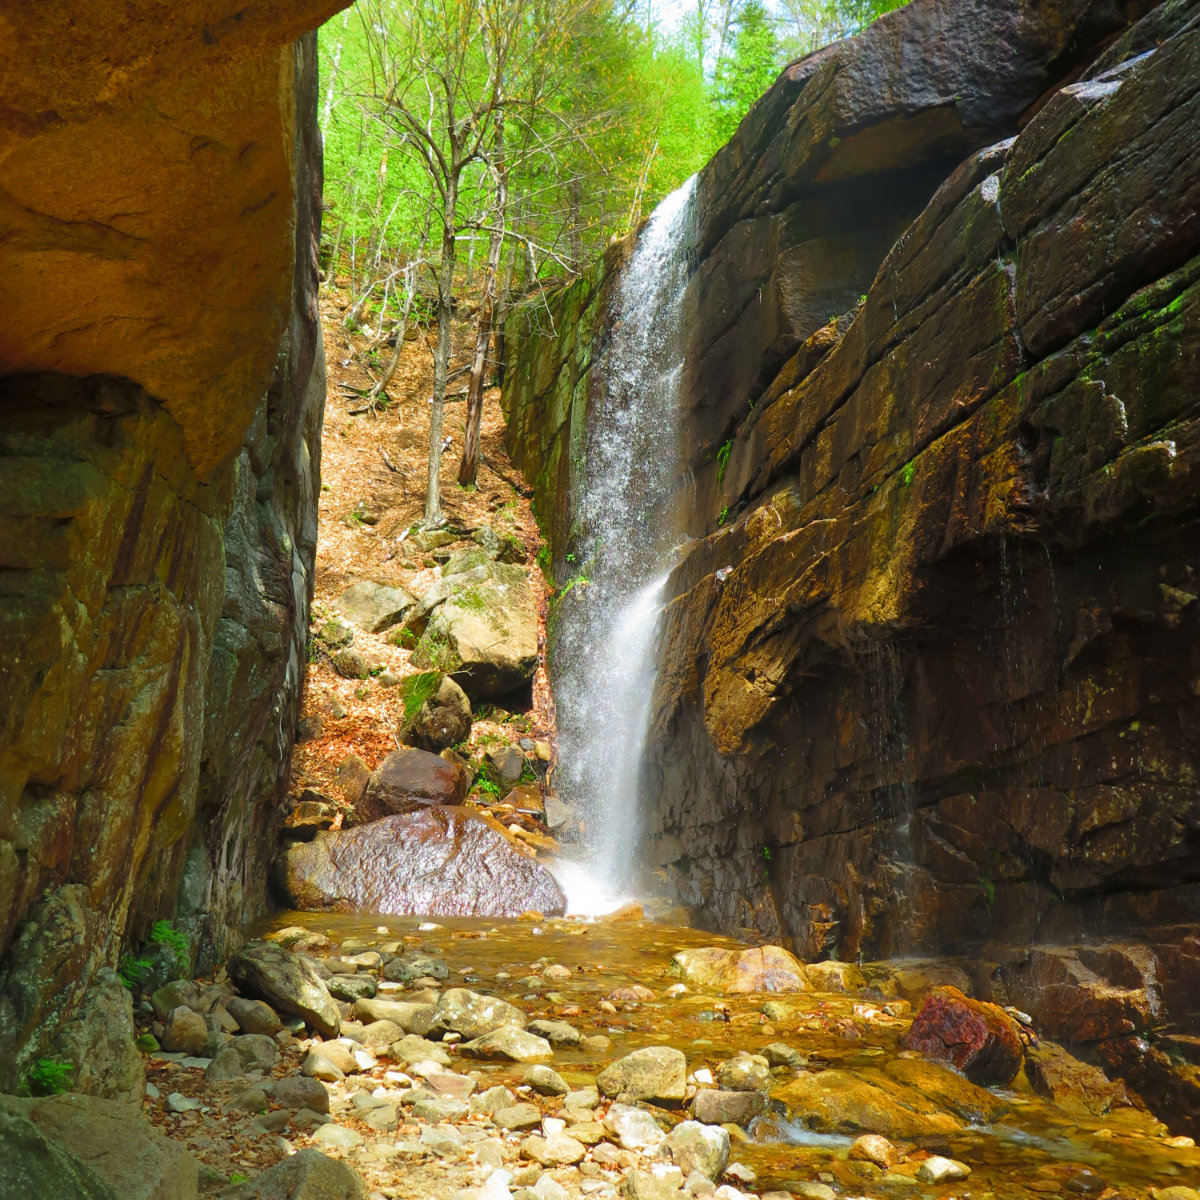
(557, 1150)
(337, 710)
(253, 1016)
(507, 763)
(641, 1185)
(350, 663)
(463, 1011)
(176, 1102)
(715, 1107)
(697, 1147)
(431, 1106)
(557, 1033)
(337, 1137)
(298, 1091)
(745, 1073)
(518, 1116)
(515, 1045)
(741, 1173)
(586, 1098)
(937, 1169)
(871, 1147)
(778, 1054)
(491, 1101)
(443, 1140)
(596, 1043)
(634, 1128)
(815, 1191)
(308, 729)
(351, 987)
(546, 1081)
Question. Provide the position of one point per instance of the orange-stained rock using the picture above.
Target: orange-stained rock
(409, 779)
(980, 1039)
(761, 969)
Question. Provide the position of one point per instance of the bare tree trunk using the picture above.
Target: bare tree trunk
(469, 467)
(410, 286)
(441, 359)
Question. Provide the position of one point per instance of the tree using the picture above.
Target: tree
(750, 68)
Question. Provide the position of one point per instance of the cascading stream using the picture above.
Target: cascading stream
(604, 656)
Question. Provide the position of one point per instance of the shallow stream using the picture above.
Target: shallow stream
(1035, 1149)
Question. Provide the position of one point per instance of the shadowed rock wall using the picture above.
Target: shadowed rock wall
(942, 694)
(160, 420)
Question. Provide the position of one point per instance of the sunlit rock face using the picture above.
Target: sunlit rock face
(927, 678)
(160, 406)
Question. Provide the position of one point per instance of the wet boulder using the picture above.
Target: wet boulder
(844, 1102)
(697, 1147)
(760, 969)
(979, 1039)
(408, 780)
(444, 861)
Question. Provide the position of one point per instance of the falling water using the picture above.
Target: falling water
(604, 657)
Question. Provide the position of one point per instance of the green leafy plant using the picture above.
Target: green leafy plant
(575, 581)
(239, 1177)
(362, 692)
(988, 888)
(402, 637)
(165, 934)
(723, 460)
(487, 787)
(49, 1077)
(133, 970)
(416, 690)
(907, 472)
(543, 559)
(724, 514)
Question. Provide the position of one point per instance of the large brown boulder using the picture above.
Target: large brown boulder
(409, 779)
(980, 1039)
(759, 969)
(444, 861)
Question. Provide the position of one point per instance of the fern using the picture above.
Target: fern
(165, 934)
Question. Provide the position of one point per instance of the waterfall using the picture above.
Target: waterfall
(604, 652)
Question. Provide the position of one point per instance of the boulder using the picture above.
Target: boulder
(945, 1087)
(760, 969)
(412, 1017)
(642, 1185)
(374, 607)
(443, 718)
(409, 780)
(99, 1040)
(507, 764)
(350, 663)
(980, 1039)
(267, 971)
(45, 1144)
(844, 1102)
(481, 626)
(517, 1116)
(1086, 993)
(557, 1033)
(698, 1147)
(832, 976)
(545, 1080)
(443, 861)
(654, 1073)
(306, 1175)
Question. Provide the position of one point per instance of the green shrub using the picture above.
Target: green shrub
(164, 933)
(133, 970)
(417, 689)
(49, 1077)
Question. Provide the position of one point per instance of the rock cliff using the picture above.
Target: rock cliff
(162, 390)
(927, 677)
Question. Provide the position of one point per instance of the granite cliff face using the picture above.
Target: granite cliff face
(928, 677)
(162, 390)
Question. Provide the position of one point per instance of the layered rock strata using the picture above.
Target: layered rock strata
(927, 671)
(162, 391)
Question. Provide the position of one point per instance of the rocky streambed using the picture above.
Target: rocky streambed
(557, 1058)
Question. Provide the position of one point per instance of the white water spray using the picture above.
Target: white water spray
(604, 658)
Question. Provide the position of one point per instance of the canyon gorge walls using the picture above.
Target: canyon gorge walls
(928, 673)
(161, 400)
